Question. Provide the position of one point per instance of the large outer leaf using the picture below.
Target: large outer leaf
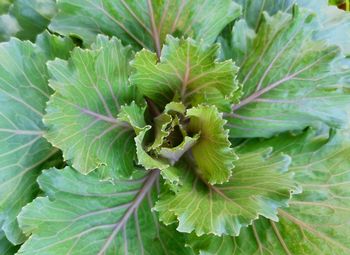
(82, 114)
(26, 18)
(335, 23)
(187, 70)
(318, 220)
(259, 185)
(23, 152)
(88, 216)
(144, 23)
(289, 80)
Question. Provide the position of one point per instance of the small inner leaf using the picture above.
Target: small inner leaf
(188, 71)
(212, 152)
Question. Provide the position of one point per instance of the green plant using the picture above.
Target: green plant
(174, 127)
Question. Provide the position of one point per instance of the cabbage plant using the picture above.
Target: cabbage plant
(174, 127)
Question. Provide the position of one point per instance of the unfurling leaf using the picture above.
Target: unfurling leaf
(213, 153)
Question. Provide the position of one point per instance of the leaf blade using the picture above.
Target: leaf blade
(82, 116)
(100, 218)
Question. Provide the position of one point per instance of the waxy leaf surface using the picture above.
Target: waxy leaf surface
(89, 216)
(317, 221)
(82, 115)
(290, 81)
(25, 19)
(260, 183)
(144, 23)
(23, 152)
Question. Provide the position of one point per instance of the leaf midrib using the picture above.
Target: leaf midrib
(147, 186)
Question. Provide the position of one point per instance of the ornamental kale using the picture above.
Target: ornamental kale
(174, 127)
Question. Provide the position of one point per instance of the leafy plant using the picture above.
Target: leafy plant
(174, 127)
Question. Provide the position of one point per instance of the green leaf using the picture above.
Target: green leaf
(237, 44)
(318, 220)
(252, 11)
(259, 185)
(26, 18)
(134, 115)
(23, 152)
(144, 24)
(54, 46)
(187, 70)
(161, 130)
(82, 115)
(213, 153)
(143, 158)
(334, 22)
(175, 153)
(289, 80)
(6, 248)
(94, 217)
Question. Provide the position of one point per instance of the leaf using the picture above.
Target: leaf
(54, 46)
(175, 153)
(82, 115)
(144, 24)
(162, 130)
(252, 11)
(213, 153)
(94, 217)
(134, 115)
(259, 185)
(23, 152)
(26, 18)
(143, 158)
(289, 80)
(334, 22)
(317, 221)
(6, 248)
(237, 44)
(188, 70)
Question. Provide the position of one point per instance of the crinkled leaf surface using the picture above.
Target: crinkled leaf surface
(289, 80)
(82, 115)
(144, 23)
(213, 153)
(89, 216)
(187, 70)
(259, 185)
(26, 18)
(317, 221)
(23, 152)
(134, 115)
